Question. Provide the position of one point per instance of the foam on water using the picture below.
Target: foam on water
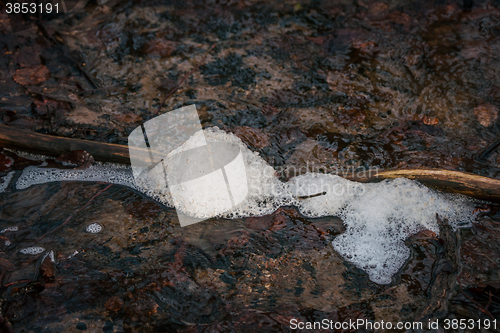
(32, 250)
(265, 192)
(9, 229)
(378, 217)
(93, 228)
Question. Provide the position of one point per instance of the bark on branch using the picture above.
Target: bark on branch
(445, 180)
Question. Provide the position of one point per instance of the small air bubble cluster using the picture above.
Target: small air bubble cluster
(9, 229)
(33, 250)
(28, 156)
(93, 228)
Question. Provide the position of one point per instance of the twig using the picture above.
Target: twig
(489, 300)
(16, 282)
(484, 155)
(184, 79)
(74, 213)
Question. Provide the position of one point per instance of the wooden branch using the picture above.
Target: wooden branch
(445, 180)
(49, 145)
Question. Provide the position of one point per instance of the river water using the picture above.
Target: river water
(312, 86)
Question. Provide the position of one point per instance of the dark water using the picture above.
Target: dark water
(330, 85)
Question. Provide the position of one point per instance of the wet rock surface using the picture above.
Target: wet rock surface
(307, 85)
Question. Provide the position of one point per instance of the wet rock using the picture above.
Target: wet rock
(49, 107)
(81, 326)
(27, 56)
(10, 106)
(142, 308)
(228, 69)
(311, 156)
(6, 264)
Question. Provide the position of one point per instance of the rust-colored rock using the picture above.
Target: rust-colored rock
(129, 117)
(253, 137)
(159, 47)
(114, 303)
(430, 121)
(32, 75)
(486, 114)
(48, 268)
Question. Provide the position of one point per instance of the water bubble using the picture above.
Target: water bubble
(93, 228)
(32, 250)
(9, 229)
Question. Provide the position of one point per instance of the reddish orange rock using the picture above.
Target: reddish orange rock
(32, 75)
(125, 118)
(252, 136)
(114, 303)
(430, 120)
(159, 47)
(486, 114)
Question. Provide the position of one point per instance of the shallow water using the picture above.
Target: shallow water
(309, 86)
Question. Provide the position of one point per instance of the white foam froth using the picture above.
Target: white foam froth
(93, 228)
(265, 192)
(9, 229)
(378, 217)
(33, 250)
(99, 172)
(28, 156)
